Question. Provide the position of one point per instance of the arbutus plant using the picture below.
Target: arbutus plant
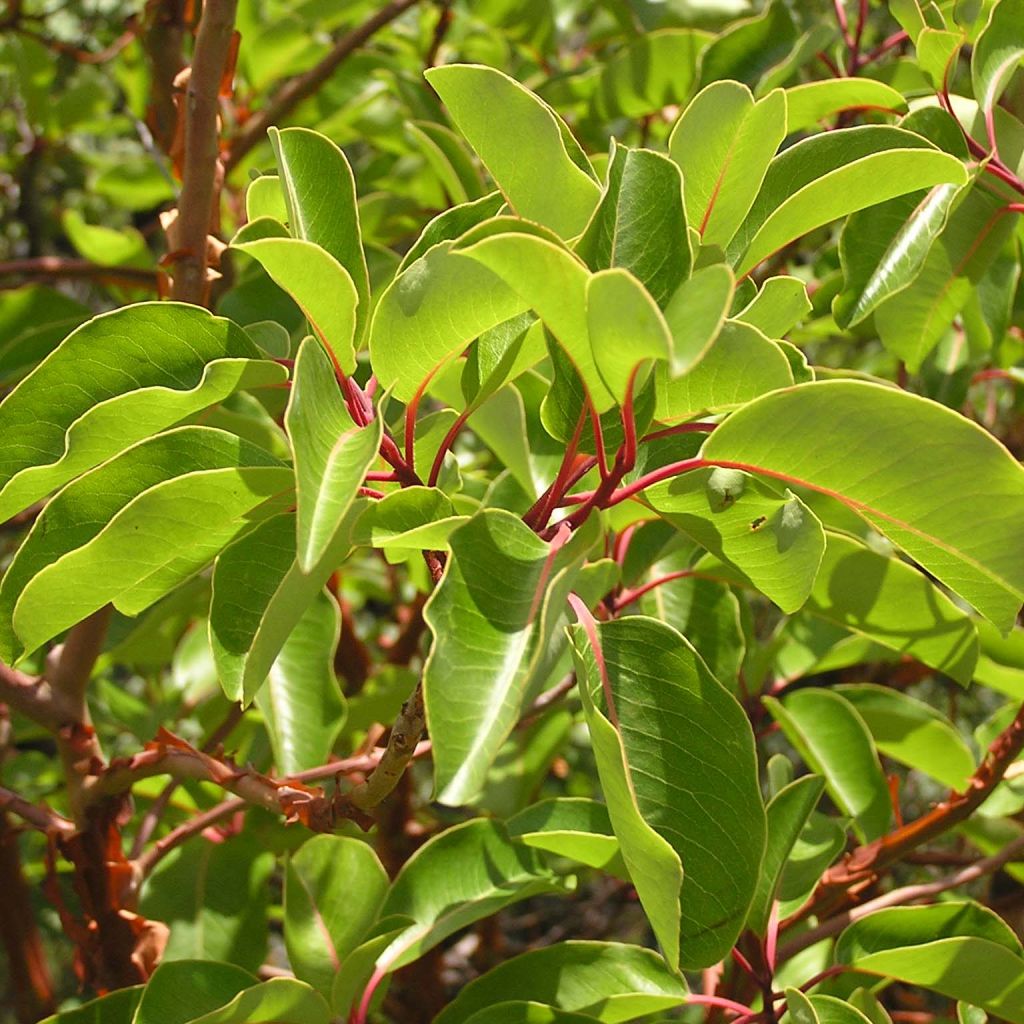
(548, 549)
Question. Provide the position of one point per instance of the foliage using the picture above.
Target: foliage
(548, 547)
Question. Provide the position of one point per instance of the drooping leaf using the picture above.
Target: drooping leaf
(492, 645)
(640, 223)
(320, 286)
(724, 142)
(700, 735)
(556, 186)
(827, 176)
(306, 161)
(149, 366)
(459, 876)
(333, 891)
(332, 454)
(608, 980)
(910, 468)
(130, 530)
(834, 741)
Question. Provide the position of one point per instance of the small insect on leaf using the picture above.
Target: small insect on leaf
(758, 522)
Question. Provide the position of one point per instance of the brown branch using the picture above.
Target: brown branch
(39, 816)
(163, 40)
(295, 90)
(59, 266)
(904, 895)
(862, 866)
(202, 171)
(31, 697)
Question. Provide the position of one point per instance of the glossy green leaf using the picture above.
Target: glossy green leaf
(912, 732)
(301, 702)
(130, 530)
(278, 1001)
(696, 312)
(827, 176)
(320, 286)
(834, 741)
(724, 143)
(334, 888)
(556, 186)
(572, 827)
(998, 52)
(305, 161)
(608, 980)
(332, 454)
(492, 645)
(640, 223)
(181, 990)
(787, 814)
(774, 540)
(465, 873)
(740, 364)
(149, 366)
(911, 468)
(809, 104)
(780, 304)
(883, 248)
(701, 735)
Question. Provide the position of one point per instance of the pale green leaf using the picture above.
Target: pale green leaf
(998, 52)
(809, 104)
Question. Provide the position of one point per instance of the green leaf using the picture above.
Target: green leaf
(774, 540)
(787, 814)
(149, 366)
(696, 312)
(740, 364)
(332, 454)
(828, 176)
(724, 142)
(358, 967)
(333, 890)
(895, 605)
(556, 186)
(432, 310)
(492, 645)
(608, 980)
(259, 596)
(447, 157)
(780, 304)
(700, 735)
(821, 840)
(831, 1010)
(959, 950)
(320, 286)
(465, 873)
(116, 1007)
(801, 1009)
(453, 222)
(998, 52)
(640, 223)
(912, 321)
(572, 827)
(526, 1013)
(883, 248)
(650, 72)
(130, 530)
(412, 519)
(179, 991)
(834, 741)
(278, 1001)
(751, 47)
(809, 104)
(264, 198)
(328, 218)
(912, 732)
(301, 702)
(109, 247)
(910, 467)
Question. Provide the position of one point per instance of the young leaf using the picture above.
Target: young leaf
(132, 529)
(492, 645)
(910, 468)
(301, 703)
(334, 888)
(834, 741)
(460, 876)
(332, 454)
(700, 735)
(556, 186)
(611, 981)
(306, 161)
(724, 142)
(320, 286)
(149, 366)
(827, 176)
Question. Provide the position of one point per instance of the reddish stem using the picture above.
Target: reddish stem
(449, 438)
